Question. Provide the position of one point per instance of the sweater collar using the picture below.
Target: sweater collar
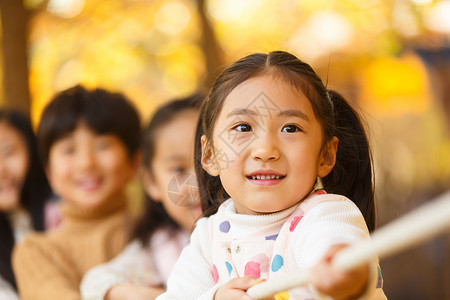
(247, 224)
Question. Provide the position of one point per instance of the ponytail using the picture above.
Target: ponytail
(352, 175)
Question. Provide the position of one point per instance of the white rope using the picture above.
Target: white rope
(416, 227)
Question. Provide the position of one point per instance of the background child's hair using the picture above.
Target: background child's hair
(104, 112)
(35, 192)
(352, 174)
(154, 215)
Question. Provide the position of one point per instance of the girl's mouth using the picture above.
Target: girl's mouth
(265, 177)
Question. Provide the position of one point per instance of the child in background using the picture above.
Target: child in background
(271, 132)
(24, 191)
(88, 142)
(142, 269)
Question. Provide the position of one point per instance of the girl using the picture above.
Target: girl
(23, 191)
(270, 140)
(141, 271)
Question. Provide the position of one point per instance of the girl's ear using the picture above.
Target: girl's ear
(150, 186)
(208, 160)
(328, 157)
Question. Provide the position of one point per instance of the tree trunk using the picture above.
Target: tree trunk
(14, 18)
(211, 48)
(438, 65)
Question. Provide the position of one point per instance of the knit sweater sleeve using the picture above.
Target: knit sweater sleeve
(134, 265)
(192, 275)
(42, 273)
(327, 224)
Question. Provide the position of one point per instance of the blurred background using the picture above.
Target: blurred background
(391, 58)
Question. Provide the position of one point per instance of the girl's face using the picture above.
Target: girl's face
(87, 169)
(267, 146)
(14, 163)
(172, 180)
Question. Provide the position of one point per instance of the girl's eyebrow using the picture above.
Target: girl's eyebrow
(242, 111)
(294, 113)
(7, 143)
(289, 113)
(175, 158)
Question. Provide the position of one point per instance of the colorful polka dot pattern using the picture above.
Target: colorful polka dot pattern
(294, 223)
(224, 226)
(272, 237)
(295, 220)
(229, 267)
(215, 274)
(282, 296)
(259, 263)
(380, 279)
(277, 262)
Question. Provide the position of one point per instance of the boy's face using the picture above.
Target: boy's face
(87, 169)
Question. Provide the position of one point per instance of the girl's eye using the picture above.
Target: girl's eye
(7, 152)
(291, 128)
(243, 128)
(68, 150)
(179, 170)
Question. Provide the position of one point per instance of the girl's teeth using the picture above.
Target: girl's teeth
(264, 177)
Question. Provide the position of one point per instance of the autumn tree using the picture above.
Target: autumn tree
(14, 21)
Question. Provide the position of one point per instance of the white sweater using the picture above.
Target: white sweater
(228, 245)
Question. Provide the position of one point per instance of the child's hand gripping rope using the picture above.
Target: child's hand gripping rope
(412, 229)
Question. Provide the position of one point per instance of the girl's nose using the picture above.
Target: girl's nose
(265, 148)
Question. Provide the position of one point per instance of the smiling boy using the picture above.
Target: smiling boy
(88, 142)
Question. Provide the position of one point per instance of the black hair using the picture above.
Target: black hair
(210, 187)
(154, 215)
(352, 175)
(104, 112)
(34, 194)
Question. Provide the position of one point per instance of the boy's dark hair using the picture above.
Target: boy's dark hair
(352, 174)
(34, 194)
(104, 112)
(154, 215)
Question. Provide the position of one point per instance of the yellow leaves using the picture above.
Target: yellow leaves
(172, 17)
(395, 86)
(181, 69)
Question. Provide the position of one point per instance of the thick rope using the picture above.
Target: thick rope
(418, 226)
